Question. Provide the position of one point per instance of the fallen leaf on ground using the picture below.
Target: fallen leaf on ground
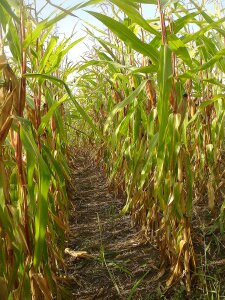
(78, 254)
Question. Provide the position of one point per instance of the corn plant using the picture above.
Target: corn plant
(33, 150)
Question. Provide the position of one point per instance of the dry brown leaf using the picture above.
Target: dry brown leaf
(9, 97)
(43, 285)
(176, 269)
(151, 93)
(211, 193)
(79, 254)
(3, 60)
(60, 223)
(3, 289)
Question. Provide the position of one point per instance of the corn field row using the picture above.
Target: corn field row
(149, 96)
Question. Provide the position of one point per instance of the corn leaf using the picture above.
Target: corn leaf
(127, 36)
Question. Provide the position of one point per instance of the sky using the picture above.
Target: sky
(66, 26)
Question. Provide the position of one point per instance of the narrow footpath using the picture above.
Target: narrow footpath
(106, 258)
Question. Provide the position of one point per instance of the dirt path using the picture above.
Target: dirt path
(116, 257)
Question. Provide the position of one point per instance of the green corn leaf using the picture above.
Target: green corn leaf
(177, 46)
(5, 5)
(189, 182)
(115, 167)
(48, 52)
(122, 128)
(30, 180)
(95, 28)
(125, 102)
(208, 18)
(71, 45)
(176, 200)
(45, 35)
(57, 169)
(143, 1)
(41, 218)
(203, 105)
(165, 84)
(77, 105)
(11, 35)
(145, 70)
(193, 36)
(127, 36)
(34, 34)
(137, 123)
(138, 282)
(182, 21)
(103, 62)
(135, 16)
(4, 214)
(46, 118)
(106, 46)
